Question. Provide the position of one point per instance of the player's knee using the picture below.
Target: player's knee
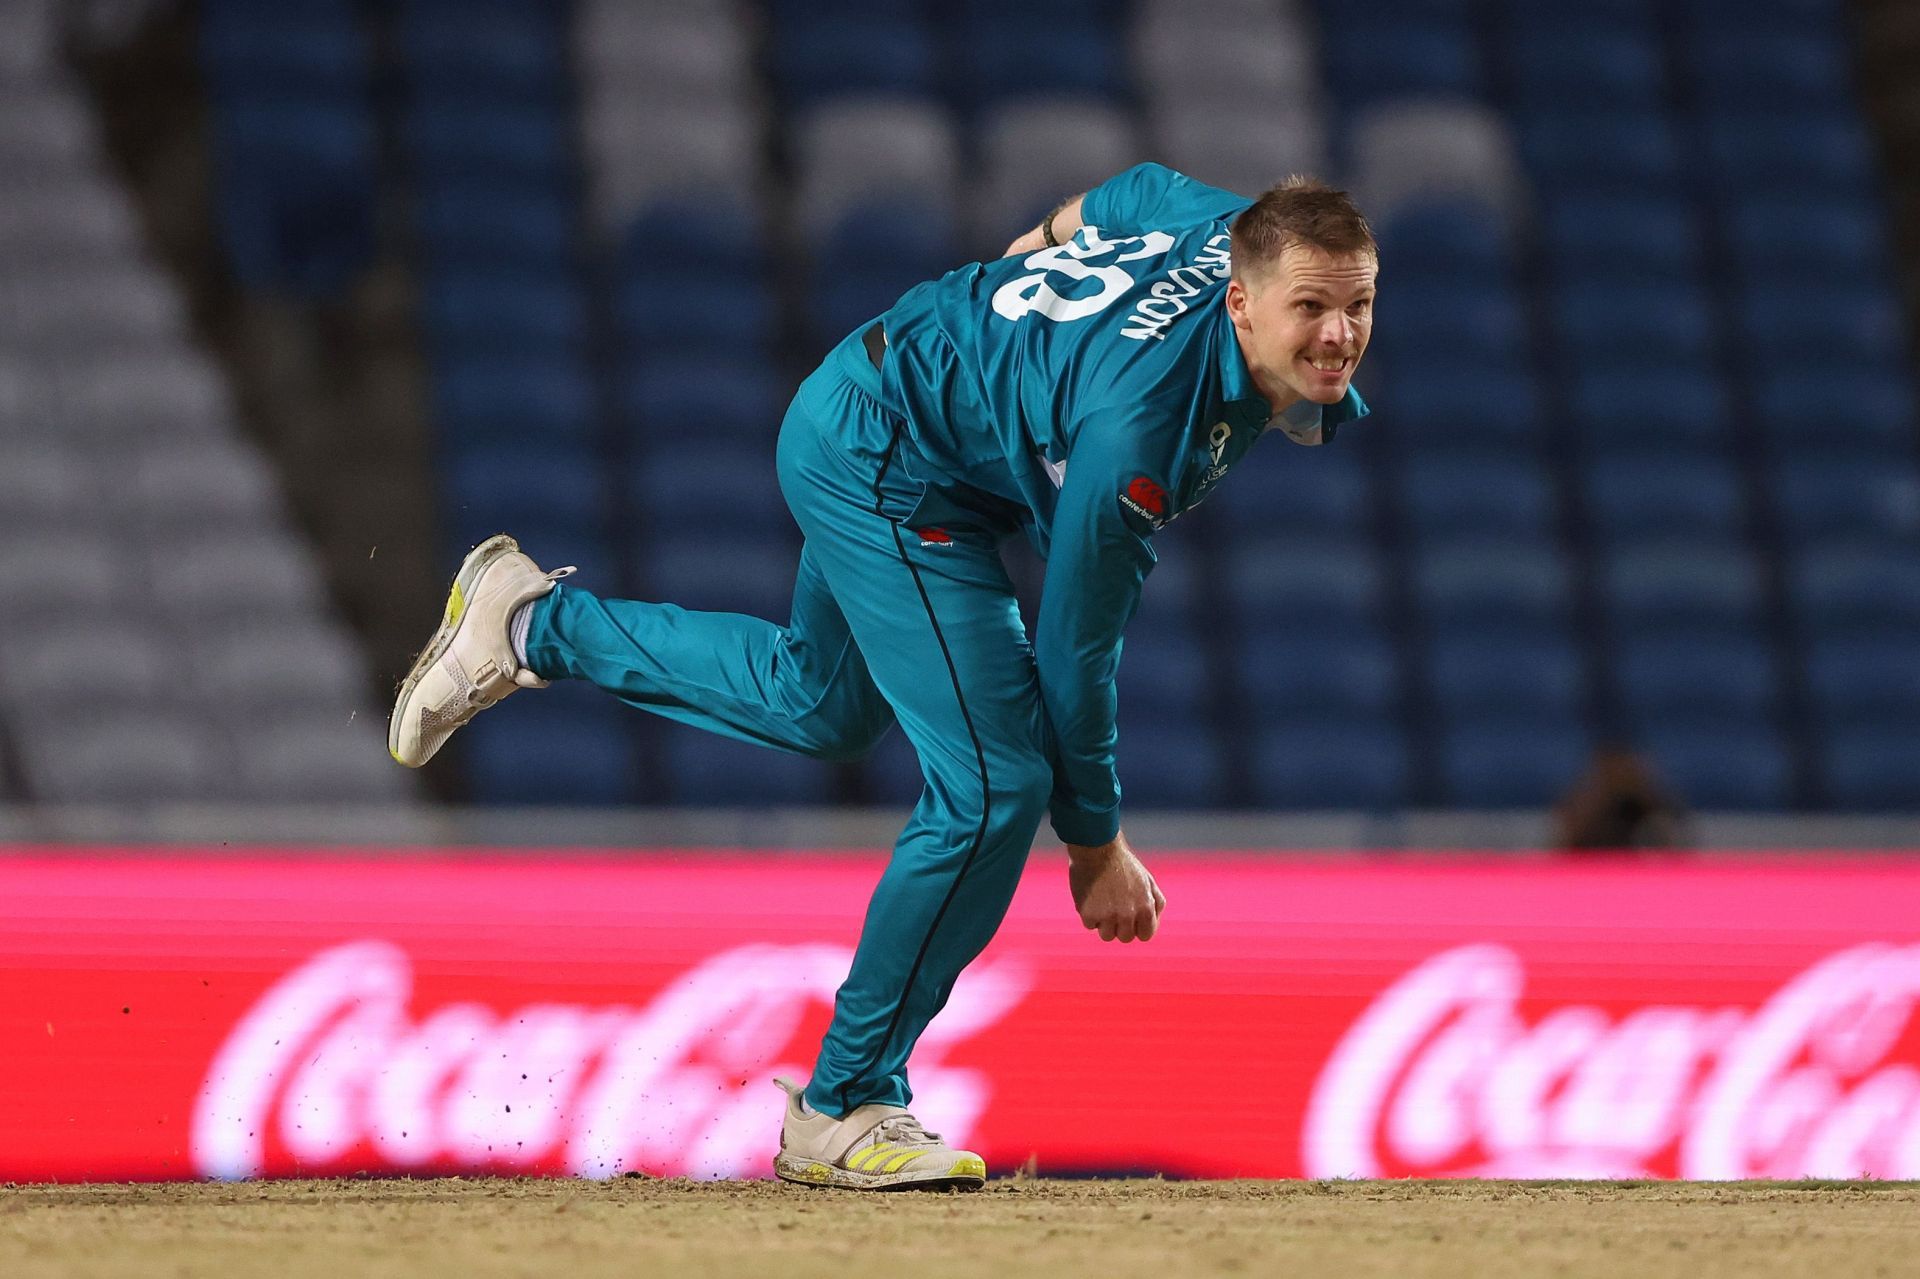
(849, 741)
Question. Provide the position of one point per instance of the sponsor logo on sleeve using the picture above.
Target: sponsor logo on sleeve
(1145, 499)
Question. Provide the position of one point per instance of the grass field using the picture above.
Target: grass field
(1059, 1229)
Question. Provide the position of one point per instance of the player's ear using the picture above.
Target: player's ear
(1237, 303)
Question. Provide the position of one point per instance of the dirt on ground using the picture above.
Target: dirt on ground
(1057, 1229)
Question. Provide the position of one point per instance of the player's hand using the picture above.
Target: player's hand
(1113, 891)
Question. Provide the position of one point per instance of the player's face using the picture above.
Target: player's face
(1304, 323)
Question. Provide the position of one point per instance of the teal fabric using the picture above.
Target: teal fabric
(1083, 396)
(886, 627)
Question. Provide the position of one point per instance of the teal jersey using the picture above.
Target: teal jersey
(1089, 393)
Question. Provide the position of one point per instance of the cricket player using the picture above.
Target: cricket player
(1083, 390)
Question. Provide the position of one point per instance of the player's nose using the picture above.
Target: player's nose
(1336, 330)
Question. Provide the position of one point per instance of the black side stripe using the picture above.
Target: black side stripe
(980, 756)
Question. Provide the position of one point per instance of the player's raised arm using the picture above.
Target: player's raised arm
(1059, 224)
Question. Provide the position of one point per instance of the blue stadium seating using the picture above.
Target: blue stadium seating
(569, 744)
(1492, 580)
(1011, 56)
(1164, 673)
(1738, 67)
(1511, 762)
(1589, 65)
(723, 396)
(1295, 672)
(1857, 406)
(1722, 763)
(1855, 582)
(1821, 493)
(1860, 674)
(1668, 673)
(1449, 401)
(1761, 153)
(498, 49)
(1625, 238)
(1604, 151)
(459, 135)
(517, 485)
(703, 768)
(669, 318)
(1615, 319)
(1624, 404)
(296, 194)
(703, 484)
(1324, 763)
(509, 310)
(718, 570)
(508, 397)
(1524, 671)
(1642, 493)
(1376, 57)
(1473, 491)
(1307, 491)
(1864, 321)
(703, 236)
(827, 57)
(1873, 766)
(1810, 239)
(1682, 581)
(493, 223)
(1454, 319)
(1171, 763)
(1335, 581)
(1445, 240)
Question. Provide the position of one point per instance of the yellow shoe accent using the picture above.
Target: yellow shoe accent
(900, 1161)
(456, 605)
(816, 1172)
(971, 1166)
(861, 1160)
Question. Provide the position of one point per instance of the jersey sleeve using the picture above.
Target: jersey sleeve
(1116, 492)
(1152, 197)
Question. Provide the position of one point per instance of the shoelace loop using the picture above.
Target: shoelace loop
(905, 1130)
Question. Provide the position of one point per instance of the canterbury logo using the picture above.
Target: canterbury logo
(882, 1156)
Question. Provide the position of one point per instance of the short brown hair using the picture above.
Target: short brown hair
(1300, 210)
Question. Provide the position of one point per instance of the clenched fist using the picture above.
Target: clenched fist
(1113, 891)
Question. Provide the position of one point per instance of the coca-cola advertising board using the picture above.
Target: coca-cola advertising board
(592, 1015)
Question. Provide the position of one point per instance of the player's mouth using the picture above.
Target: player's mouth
(1329, 368)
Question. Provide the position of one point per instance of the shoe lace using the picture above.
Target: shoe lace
(905, 1130)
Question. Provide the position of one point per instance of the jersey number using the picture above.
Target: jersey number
(1032, 295)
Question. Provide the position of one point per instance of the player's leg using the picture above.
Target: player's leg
(802, 687)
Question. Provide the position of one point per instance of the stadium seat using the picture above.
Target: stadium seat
(1378, 57)
(126, 755)
(520, 397)
(569, 744)
(1604, 151)
(1426, 150)
(1448, 402)
(1812, 239)
(1504, 671)
(314, 49)
(1031, 148)
(705, 769)
(508, 311)
(494, 223)
(1511, 762)
(1664, 673)
(1735, 68)
(696, 235)
(454, 136)
(78, 665)
(1474, 491)
(1589, 65)
(1626, 403)
(1871, 766)
(818, 59)
(1455, 319)
(1865, 321)
(296, 196)
(714, 395)
(1823, 493)
(1859, 674)
(1615, 319)
(1291, 578)
(1310, 491)
(1848, 407)
(1163, 673)
(854, 150)
(1481, 580)
(1325, 763)
(515, 485)
(210, 574)
(668, 318)
(1006, 56)
(1300, 671)
(1738, 763)
(1639, 492)
(1171, 763)
(709, 484)
(1681, 581)
(1246, 150)
(1623, 239)
(337, 761)
(1755, 151)
(1854, 582)
(1446, 241)
(718, 571)
(499, 49)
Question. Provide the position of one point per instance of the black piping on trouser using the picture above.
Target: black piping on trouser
(979, 754)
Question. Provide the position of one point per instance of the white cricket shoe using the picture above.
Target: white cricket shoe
(469, 664)
(873, 1148)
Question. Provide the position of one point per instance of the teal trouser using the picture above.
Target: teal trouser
(883, 628)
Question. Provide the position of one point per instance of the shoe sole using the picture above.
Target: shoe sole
(966, 1174)
(478, 560)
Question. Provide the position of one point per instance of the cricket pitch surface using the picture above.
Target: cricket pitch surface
(1057, 1229)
